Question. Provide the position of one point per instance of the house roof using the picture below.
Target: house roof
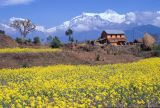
(114, 32)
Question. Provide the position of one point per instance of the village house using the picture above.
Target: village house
(113, 37)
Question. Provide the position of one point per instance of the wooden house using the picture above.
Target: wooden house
(113, 37)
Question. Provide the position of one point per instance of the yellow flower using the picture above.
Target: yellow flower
(98, 98)
(67, 86)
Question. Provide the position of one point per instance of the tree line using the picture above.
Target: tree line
(26, 26)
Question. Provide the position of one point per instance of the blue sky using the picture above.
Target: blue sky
(54, 12)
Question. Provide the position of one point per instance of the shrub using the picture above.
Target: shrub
(157, 50)
(29, 40)
(36, 40)
(19, 40)
(97, 57)
(2, 32)
(156, 47)
(25, 65)
(157, 53)
(56, 43)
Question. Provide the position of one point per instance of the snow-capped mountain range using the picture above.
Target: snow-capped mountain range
(88, 24)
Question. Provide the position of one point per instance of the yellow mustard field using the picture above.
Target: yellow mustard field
(120, 85)
(27, 50)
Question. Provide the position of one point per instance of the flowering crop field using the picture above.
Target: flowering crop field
(27, 50)
(62, 86)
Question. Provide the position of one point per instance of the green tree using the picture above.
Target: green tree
(49, 39)
(36, 40)
(56, 43)
(69, 33)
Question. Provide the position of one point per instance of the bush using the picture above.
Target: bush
(157, 53)
(19, 40)
(29, 40)
(97, 57)
(2, 32)
(56, 43)
(157, 50)
(157, 47)
(25, 65)
(36, 40)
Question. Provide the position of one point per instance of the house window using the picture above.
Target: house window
(113, 36)
(118, 36)
(109, 36)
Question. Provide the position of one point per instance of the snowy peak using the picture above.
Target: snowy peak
(109, 15)
(111, 19)
(94, 21)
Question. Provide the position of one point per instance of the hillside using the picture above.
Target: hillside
(7, 42)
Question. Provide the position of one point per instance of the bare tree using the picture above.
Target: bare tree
(148, 41)
(23, 26)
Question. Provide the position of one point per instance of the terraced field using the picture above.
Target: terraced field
(27, 50)
(66, 86)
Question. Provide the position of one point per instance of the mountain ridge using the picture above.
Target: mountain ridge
(90, 25)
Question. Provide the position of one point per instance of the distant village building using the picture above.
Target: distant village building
(138, 41)
(113, 37)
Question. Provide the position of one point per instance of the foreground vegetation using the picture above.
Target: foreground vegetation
(61, 86)
(27, 50)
